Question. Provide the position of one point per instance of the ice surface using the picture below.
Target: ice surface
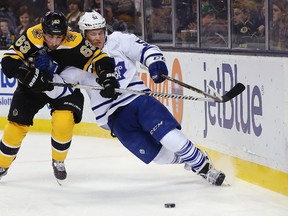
(105, 179)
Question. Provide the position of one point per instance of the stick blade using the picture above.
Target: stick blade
(236, 90)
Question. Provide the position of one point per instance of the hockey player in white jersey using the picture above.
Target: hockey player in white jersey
(141, 123)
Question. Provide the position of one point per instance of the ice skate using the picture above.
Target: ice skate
(209, 172)
(3, 172)
(212, 175)
(59, 170)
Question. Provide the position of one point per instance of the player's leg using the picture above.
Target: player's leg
(66, 112)
(24, 106)
(194, 159)
(156, 119)
(135, 123)
(13, 135)
(125, 126)
(135, 126)
(166, 156)
(61, 136)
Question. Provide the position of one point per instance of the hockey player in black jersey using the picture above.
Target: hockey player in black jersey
(67, 48)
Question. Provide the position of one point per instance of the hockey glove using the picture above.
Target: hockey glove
(109, 82)
(156, 69)
(36, 80)
(46, 64)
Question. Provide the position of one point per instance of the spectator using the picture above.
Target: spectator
(59, 6)
(7, 13)
(94, 5)
(261, 26)
(38, 16)
(125, 11)
(186, 22)
(37, 8)
(75, 11)
(113, 24)
(214, 31)
(24, 20)
(186, 13)
(278, 29)
(159, 22)
(6, 37)
(49, 5)
(245, 27)
(109, 13)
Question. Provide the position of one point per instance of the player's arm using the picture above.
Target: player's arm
(14, 67)
(149, 55)
(32, 78)
(20, 53)
(105, 69)
(70, 75)
(14, 64)
(154, 60)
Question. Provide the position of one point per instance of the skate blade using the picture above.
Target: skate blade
(4, 174)
(225, 183)
(60, 182)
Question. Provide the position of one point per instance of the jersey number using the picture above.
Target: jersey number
(23, 44)
(87, 49)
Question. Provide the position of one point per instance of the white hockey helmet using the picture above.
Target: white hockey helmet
(91, 20)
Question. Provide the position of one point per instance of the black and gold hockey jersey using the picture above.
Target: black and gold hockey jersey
(74, 51)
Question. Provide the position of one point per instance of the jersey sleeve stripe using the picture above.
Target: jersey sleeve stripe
(14, 54)
(97, 56)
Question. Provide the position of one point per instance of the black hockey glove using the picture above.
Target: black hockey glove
(109, 82)
(36, 80)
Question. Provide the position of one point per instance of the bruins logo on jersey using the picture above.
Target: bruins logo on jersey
(37, 33)
(70, 37)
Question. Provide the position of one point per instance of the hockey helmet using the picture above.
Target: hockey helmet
(90, 21)
(54, 23)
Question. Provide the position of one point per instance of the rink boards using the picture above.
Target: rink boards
(249, 133)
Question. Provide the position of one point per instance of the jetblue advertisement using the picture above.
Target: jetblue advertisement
(251, 126)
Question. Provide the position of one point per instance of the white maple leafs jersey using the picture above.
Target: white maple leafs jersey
(126, 50)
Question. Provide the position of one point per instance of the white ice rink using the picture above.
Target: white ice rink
(105, 179)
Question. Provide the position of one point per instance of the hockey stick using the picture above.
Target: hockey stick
(137, 92)
(236, 90)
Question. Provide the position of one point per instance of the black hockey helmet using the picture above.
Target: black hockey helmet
(54, 23)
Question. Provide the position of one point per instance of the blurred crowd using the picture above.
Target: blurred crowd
(207, 27)
(17, 15)
(247, 23)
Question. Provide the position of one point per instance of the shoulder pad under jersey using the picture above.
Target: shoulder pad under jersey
(35, 35)
(72, 40)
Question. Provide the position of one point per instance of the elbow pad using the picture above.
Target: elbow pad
(104, 64)
(14, 68)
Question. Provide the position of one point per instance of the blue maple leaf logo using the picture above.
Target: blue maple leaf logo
(120, 69)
